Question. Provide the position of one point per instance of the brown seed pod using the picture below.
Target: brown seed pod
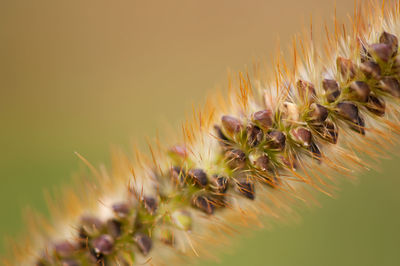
(263, 119)
(262, 162)
(391, 41)
(301, 135)
(381, 51)
(348, 110)
(204, 203)
(391, 86)
(306, 91)
(103, 244)
(376, 105)
(121, 209)
(150, 204)
(359, 126)
(360, 91)
(371, 69)
(198, 176)
(346, 68)
(254, 135)
(231, 124)
(114, 228)
(236, 158)
(220, 183)
(143, 242)
(276, 140)
(331, 88)
(246, 188)
(318, 113)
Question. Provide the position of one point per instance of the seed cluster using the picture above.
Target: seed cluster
(255, 149)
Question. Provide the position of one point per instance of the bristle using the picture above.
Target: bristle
(258, 150)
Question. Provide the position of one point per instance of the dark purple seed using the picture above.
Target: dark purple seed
(360, 91)
(199, 177)
(381, 51)
(318, 113)
(150, 204)
(277, 139)
(348, 110)
(331, 88)
(246, 188)
(236, 158)
(65, 248)
(262, 162)
(231, 124)
(254, 135)
(306, 90)
(359, 126)
(103, 244)
(121, 209)
(346, 68)
(221, 183)
(114, 228)
(302, 135)
(391, 41)
(376, 105)
(263, 118)
(371, 69)
(204, 203)
(143, 242)
(391, 86)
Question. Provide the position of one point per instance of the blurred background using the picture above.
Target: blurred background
(83, 75)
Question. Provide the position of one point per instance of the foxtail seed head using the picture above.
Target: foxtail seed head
(270, 143)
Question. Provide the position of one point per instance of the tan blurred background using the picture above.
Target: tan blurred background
(80, 75)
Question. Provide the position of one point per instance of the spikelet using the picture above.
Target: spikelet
(254, 152)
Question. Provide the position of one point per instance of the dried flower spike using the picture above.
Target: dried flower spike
(253, 154)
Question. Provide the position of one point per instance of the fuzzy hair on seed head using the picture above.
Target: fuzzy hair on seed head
(249, 157)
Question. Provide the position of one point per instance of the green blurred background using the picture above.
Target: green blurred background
(81, 75)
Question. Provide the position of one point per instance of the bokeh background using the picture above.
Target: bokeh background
(81, 75)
